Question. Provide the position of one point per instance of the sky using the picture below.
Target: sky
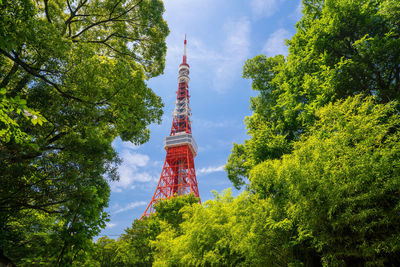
(221, 36)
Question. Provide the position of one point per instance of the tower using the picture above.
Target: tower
(178, 176)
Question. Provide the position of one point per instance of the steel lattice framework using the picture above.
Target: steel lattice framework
(178, 176)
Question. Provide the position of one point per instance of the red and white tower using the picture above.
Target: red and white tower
(178, 176)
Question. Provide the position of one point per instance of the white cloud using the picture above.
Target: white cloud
(129, 145)
(235, 52)
(221, 62)
(210, 169)
(129, 206)
(296, 14)
(143, 177)
(299, 8)
(205, 148)
(134, 159)
(110, 225)
(275, 44)
(185, 16)
(192, 13)
(265, 8)
(208, 124)
(197, 51)
(129, 171)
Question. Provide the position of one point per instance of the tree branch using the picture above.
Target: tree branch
(28, 69)
(56, 137)
(100, 41)
(397, 81)
(43, 206)
(139, 60)
(7, 78)
(24, 81)
(107, 20)
(113, 9)
(46, 10)
(69, 7)
(73, 14)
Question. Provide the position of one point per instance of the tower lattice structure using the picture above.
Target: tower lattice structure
(178, 176)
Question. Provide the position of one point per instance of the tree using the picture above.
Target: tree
(77, 69)
(324, 137)
(228, 231)
(168, 218)
(169, 210)
(341, 48)
(104, 253)
(340, 186)
(202, 239)
(135, 246)
(135, 243)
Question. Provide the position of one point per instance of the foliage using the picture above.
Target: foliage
(18, 106)
(205, 238)
(340, 185)
(323, 153)
(228, 231)
(72, 79)
(102, 253)
(135, 242)
(341, 48)
(134, 247)
(169, 210)
(106, 252)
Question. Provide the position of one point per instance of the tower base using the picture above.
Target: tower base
(178, 176)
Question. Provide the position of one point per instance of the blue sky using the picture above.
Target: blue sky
(221, 35)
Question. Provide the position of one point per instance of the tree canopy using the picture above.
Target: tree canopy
(341, 48)
(72, 78)
(135, 246)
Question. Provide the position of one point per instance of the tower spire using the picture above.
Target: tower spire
(178, 176)
(184, 61)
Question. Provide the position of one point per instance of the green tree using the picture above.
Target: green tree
(341, 48)
(327, 172)
(134, 247)
(228, 231)
(203, 237)
(339, 187)
(169, 210)
(135, 243)
(104, 253)
(169, 217)
(72, 79)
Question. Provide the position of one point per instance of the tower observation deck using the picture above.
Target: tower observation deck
(178, 176)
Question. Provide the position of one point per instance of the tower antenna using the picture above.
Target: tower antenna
(184, 51)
